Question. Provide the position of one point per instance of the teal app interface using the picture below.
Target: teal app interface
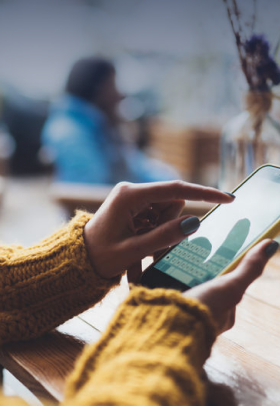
(227, 231)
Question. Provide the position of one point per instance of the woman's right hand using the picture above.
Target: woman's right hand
(223, 293)
(137, 220)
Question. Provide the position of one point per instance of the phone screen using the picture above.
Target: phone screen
(227, 231)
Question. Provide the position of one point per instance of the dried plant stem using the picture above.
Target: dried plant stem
(238, 39)
(254, 15)
(237, 15)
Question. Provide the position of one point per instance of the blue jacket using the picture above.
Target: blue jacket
(88, 150)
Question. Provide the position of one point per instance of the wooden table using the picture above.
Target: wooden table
(244, 361)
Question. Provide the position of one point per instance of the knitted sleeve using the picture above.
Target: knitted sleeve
(151, 354)
(11, 401)
(44, 285)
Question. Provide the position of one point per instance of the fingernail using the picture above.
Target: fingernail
(190, 225)
(230, 194)
(271, 249)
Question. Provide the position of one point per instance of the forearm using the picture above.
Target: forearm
(151, 354)
(42, 286)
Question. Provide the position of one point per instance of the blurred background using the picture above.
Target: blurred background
(176, 64)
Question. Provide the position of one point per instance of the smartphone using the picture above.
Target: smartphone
(226, 233)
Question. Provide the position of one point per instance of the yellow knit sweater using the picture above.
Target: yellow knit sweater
(152, 352)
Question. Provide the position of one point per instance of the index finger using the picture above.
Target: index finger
(157, 192)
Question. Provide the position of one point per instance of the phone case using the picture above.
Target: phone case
(149, 279)
(272, 232)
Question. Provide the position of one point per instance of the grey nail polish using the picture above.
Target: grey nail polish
(271, 249)
(190, 225)
(230, 194)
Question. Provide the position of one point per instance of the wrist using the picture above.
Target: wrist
(94, 255)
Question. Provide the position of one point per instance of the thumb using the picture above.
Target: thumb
(252, 265)
(226, 291)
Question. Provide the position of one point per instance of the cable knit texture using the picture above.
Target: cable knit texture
(153, 350)
(151, 354)
(44, 285)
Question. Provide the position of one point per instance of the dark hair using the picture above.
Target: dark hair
(87, 75)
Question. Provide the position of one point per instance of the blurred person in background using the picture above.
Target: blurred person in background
(82, 132)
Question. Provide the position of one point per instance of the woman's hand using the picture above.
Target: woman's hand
(222, 294)
(137, 220)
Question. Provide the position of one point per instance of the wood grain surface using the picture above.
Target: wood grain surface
(244, 367)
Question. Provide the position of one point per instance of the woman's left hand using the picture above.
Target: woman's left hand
(222, 294)
(137, 220)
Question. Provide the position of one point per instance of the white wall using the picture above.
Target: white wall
(39, 39)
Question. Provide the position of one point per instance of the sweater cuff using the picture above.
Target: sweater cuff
(79, 253)
(153, 333)
(57, 269)
(190, 317)
(44, 285)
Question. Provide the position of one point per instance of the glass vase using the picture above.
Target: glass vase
(244, 148)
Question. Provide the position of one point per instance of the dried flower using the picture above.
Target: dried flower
(259, 67)
(257, 44)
